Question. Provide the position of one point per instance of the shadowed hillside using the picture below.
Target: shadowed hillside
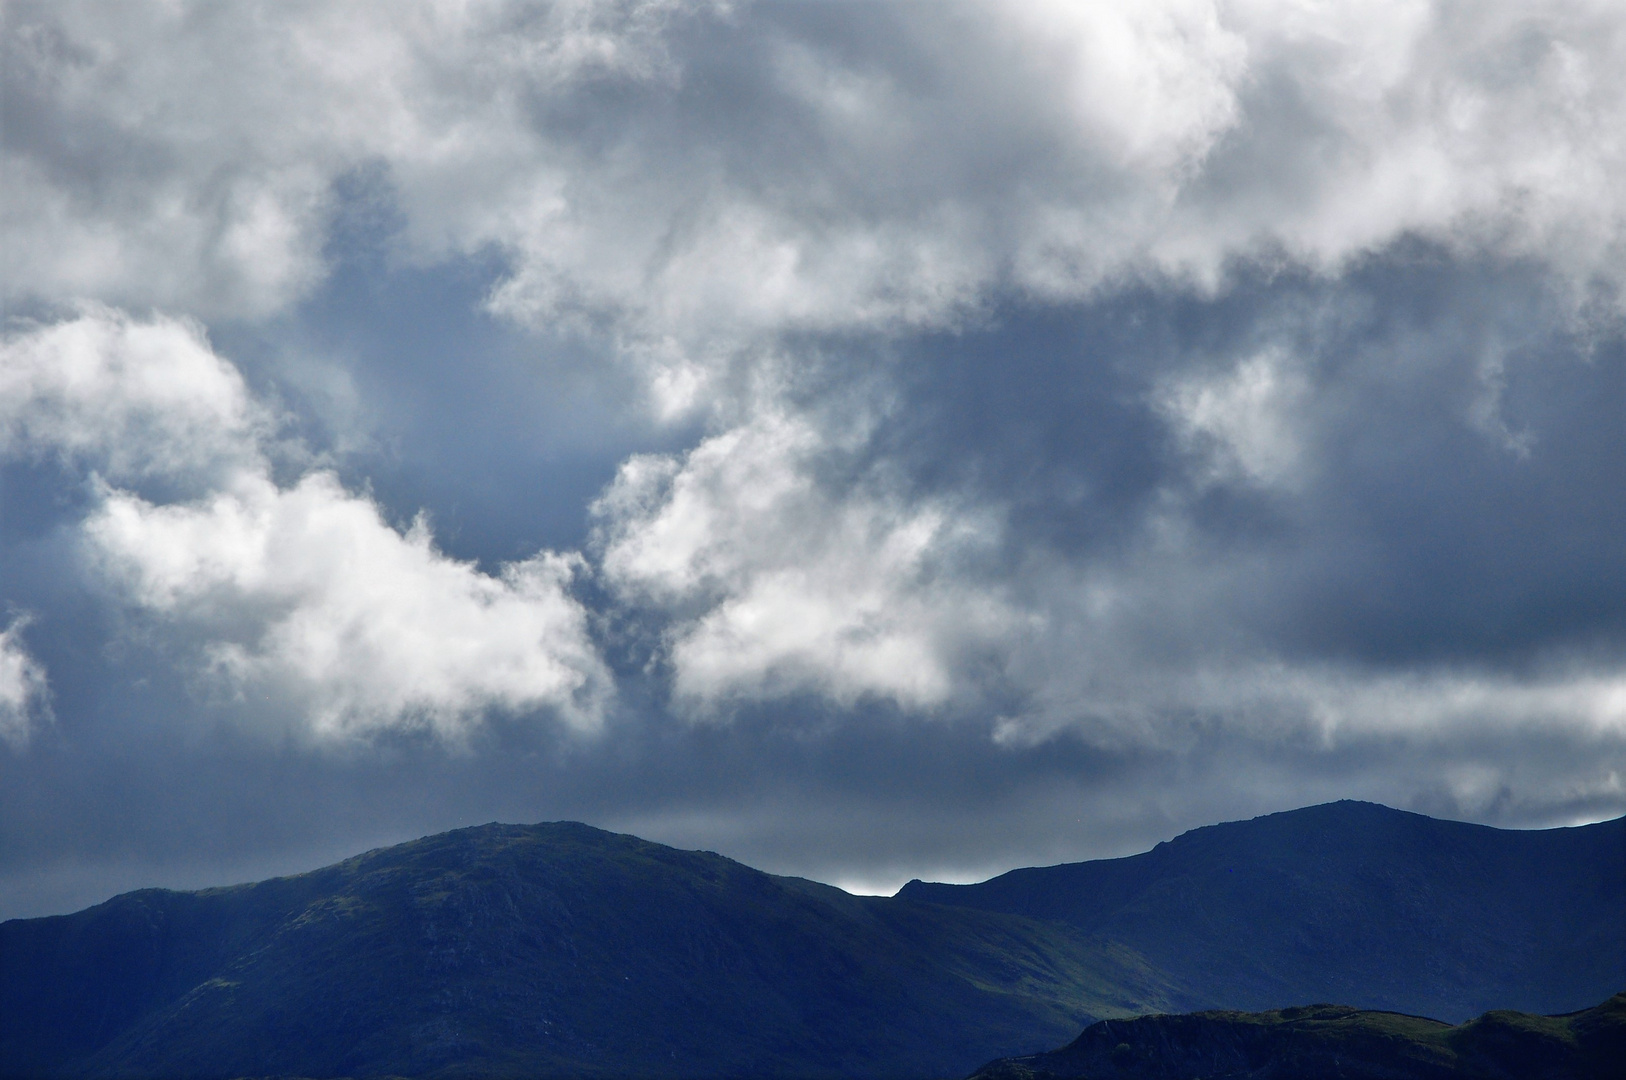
(560, 950)
(543, 950)
(1352, 902)
(1335, 1041)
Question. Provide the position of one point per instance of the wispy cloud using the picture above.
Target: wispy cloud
(24, 691)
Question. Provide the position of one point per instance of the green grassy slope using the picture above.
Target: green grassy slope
(544, 950)
(1352, 902)
(1334, 1041)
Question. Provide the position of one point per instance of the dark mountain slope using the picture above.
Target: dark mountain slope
(1334, 1041)
(1352, 902)
(543, 950)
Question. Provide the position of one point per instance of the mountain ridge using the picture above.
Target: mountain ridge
(559, 949)
(1353, 902)
(553, 949)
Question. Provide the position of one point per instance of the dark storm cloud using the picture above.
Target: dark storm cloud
(1455, 430)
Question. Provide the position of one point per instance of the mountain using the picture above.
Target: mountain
(561, 950)
(1351, 902)
(1337, 1041)
(552, 950)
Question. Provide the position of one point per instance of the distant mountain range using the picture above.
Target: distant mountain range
(1335, 1041)
(562, 950)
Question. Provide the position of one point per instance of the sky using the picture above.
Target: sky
(868, 440)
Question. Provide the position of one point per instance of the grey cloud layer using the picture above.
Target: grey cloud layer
(1210, 396)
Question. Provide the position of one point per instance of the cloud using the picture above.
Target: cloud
(23, 688)
(203, 180)
(310, 596)
(704, 175)
(774, 584)
(708, 189)
(1317, 541)
(1325, 707)
(132, 399)
(1242, 420)
(1102, 418)
(298, 594)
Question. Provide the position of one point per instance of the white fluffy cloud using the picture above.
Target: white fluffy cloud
(697, 173)
(132, 399)
(23, 686)
(304, 597)
(183, 154)
(310, 596)
(776, 586)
